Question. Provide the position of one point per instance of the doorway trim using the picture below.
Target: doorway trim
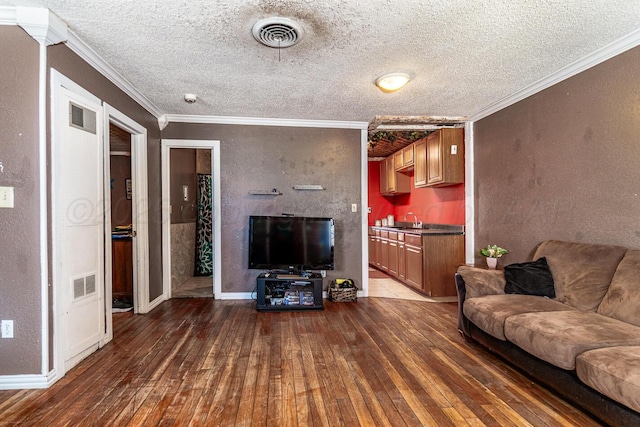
(139, 217)
(214, 146)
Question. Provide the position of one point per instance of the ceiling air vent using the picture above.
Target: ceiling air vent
(277, 32)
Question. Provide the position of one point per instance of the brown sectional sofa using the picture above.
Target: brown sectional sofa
(584, 343)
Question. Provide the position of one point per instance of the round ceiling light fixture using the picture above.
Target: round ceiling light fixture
(392, 82)
(277, 32)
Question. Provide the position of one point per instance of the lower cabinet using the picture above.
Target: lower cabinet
(427, 263)
(413, 276)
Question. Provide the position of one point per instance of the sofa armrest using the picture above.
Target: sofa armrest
(479, 281)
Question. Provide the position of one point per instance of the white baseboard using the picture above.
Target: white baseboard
(20, 382)
(237, 295)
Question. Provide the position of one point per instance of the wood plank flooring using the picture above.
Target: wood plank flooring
(202, 362)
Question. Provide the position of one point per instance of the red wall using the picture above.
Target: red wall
(445, 205)
(380, 206)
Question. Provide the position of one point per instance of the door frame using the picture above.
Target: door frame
(139, 213)
(214, 146)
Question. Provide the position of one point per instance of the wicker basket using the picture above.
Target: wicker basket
(344, 292)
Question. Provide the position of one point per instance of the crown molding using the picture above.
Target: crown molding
(45, 27)
(256, 121)
(607, 52)
(92, 58)
(8, 15)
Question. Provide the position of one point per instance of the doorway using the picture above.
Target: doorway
(121, 192)
(190, 204)
(191, 231)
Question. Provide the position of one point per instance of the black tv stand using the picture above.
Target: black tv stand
(288, 292)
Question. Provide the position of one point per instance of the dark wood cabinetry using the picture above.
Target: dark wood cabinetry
(391, 181)
(445, 157)
(420, 163)
(122, 269)
(425, 262)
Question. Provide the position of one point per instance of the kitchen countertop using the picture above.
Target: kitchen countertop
(440, 229)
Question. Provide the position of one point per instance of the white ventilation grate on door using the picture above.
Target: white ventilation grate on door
(78, 288)
(83, 286)
(90, 284)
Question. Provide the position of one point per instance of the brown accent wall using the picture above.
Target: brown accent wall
(267, 157)
(20, 288)
(183, 172)
(72, 66)
(120, 166)
(563, 164)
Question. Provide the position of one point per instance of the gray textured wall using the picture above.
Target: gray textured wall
(266, 157)
(20, 294)
(563, 163)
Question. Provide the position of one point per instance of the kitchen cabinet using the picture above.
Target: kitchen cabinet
(403, 159)
(445, 157)
(383, 251)
(122, 269)
(391, 181)
(420, 163)
(426, 262)
(373, 249)
(393, 253)
(413, 259)
(402, 258)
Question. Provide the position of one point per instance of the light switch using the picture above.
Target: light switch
(454, 149)
(6, 197)
(354, 207)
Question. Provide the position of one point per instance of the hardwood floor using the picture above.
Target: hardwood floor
(220, 363)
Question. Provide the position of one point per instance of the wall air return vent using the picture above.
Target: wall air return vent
(277, 32)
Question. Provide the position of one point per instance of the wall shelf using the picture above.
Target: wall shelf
(308, 187)
(273, 192)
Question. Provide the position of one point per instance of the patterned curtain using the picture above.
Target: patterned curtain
(204, 252)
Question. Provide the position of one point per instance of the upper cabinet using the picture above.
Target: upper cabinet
(420, 163)
(391, 181)
(403, 159)
(441, 160)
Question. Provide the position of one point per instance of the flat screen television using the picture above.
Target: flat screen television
(291, 243)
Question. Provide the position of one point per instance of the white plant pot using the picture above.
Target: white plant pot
(492, 262)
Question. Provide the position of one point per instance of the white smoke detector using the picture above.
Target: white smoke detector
(190, 98)
(277, 32)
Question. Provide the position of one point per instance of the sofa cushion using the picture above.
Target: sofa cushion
(622, 300)
(614, 372)
(529, 278)
(480, 281)
(560, 336)
(582, 272)
(490, 312)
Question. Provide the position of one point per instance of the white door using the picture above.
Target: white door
(77, 177)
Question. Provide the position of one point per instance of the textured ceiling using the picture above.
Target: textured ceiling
(463, 55)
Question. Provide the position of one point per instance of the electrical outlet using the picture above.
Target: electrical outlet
(7, 328)
(323, 273)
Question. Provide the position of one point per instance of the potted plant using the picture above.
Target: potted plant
(492, 253)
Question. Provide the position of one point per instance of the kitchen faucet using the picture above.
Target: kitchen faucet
(416, 222)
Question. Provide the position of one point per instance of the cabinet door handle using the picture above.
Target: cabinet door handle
(412, 250)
